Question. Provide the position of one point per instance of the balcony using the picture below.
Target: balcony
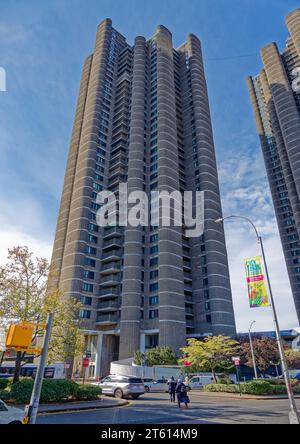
(116, 171)
(189, 299)
(109, 305)
(187, 265)
(119, 147)
(189, 311)
(112, 255)
(113, 232)
(187, 277)
(111, 280)
(110, 268)
(116, 180)
(106, 293)
(188, 288)
(186, 254)
(111, 243)
(118, 161)
(189, 323)
(107, 319)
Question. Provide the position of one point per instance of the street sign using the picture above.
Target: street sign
(85, 362)
(187, 363)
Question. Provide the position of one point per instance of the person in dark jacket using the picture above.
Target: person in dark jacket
(182, 395)
(172, 388)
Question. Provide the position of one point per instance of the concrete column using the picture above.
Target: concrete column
(282, 152)
(63, 217)
(79, 216)
(99, 354)
(172, 329)
(222, 313)
(131, 290)
(143, 342)
(286, 108)
(293, 24)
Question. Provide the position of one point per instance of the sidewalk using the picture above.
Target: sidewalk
(74, 406)
(243, 396)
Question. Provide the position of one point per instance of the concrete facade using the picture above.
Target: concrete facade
(143, 119)
(276, 104)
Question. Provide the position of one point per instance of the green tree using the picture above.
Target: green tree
(214, 352)
(293, 358)
(24, 298)
(156, 356)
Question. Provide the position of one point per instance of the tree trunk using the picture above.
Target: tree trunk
(2, 357)
(214, 375)
(17, 367)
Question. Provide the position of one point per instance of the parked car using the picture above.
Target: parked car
(122, 386)
(158, 385)
(196, 383)
(10, 415)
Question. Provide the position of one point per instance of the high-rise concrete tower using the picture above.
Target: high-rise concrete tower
(143, 119)
(275, 97)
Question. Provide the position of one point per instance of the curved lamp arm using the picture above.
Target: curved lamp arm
(218, 221)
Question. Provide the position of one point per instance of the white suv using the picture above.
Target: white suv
(10, 415)
(122, 386)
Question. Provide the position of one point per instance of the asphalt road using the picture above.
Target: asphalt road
(155, 408)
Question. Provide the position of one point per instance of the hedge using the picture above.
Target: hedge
(227, 388)
(251, 388)
(53, 390)
(4, 382)
(88, 392)
(4, 395)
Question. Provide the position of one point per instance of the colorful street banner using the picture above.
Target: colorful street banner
(257, 290)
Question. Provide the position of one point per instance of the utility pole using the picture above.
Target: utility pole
(32, 409)
(252, 351)
(293, 413)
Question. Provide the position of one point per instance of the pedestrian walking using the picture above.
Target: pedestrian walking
(172, 388)
(182, 396)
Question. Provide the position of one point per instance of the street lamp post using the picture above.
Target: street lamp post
(276, 367)
(252, 350)
(293, 415)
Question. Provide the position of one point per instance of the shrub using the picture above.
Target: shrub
(251, 388)
(21, 391)
(256, 388)
(56, 390)
(4, 395)
(224, 379)
(4, 382)
(294, 382)
(226, 388)
(53, 390)
(88, 392)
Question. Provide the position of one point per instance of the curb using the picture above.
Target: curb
(69, 408)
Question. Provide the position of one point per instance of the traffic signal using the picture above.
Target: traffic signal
(19, 336)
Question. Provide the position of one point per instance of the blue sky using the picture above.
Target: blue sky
(42, 48)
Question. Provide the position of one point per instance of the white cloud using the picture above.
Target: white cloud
(11, 237)
(22, 223)
(246, 193)
(11, 34)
